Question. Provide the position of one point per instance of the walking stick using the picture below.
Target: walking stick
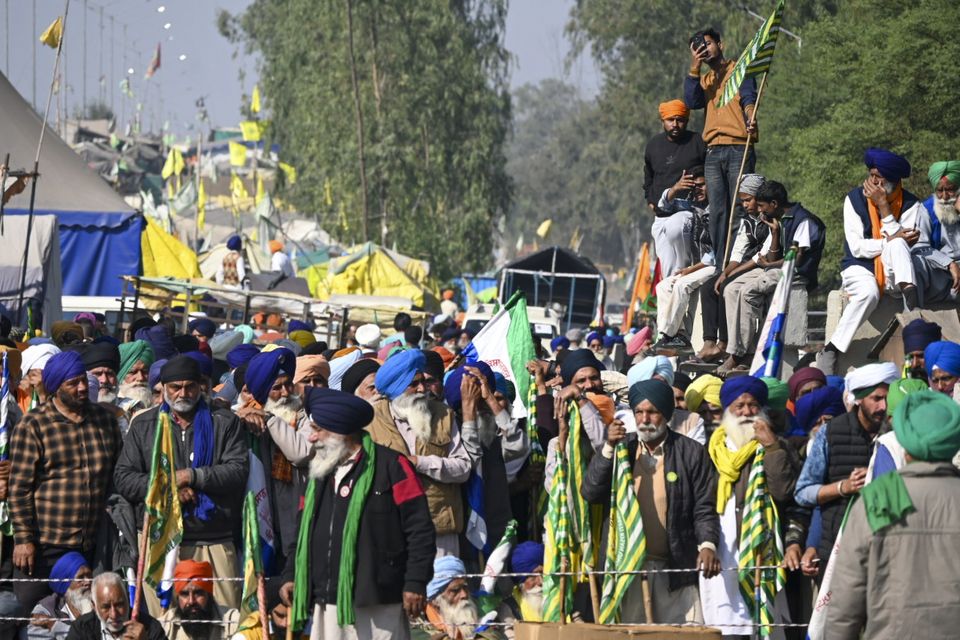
(647, 599)
(757, 631)
(141, 565)
(743, 165)
(564, 567)
(594, 596)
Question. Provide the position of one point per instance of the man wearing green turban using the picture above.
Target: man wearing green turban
(899, 541)
(135, 360)
(941, 278)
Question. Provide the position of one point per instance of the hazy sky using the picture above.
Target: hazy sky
(209, 68)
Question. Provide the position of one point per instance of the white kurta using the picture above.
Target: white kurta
(381, 622)
(720, 596)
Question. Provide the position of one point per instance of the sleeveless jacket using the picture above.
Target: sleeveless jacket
(230, 273)
(809, 262)
(859, 202)
(444, 499)
(849, 446)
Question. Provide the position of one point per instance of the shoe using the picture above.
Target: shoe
(676, 343)
(827, 361)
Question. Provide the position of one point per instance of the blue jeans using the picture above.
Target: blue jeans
(720, 171)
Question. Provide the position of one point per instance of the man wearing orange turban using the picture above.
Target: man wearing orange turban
(193, 588)
(280, 261)
(667, 156)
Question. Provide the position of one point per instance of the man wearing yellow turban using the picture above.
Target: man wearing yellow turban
(667, 156)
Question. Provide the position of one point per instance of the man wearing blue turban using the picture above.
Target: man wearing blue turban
(407, 420)
(47, 468)
(233, 268)
(210, 460)
(942, 360)
(71, 598)
(882, 224)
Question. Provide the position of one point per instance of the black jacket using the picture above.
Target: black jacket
(87, 627)
(224, 481)
(396, 542)
(691, 501)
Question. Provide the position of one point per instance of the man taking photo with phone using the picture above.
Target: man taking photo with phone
(725, 129)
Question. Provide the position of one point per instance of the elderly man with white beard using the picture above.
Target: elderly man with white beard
(938, 267)
(211, 462)
(70, 583)
(451, 613)
(366, 543)
(410, 422)
(134, 394)
(746, 436)
(470, 391)
(525, 604)
(110, 618)
(283, 437)
(673, 485)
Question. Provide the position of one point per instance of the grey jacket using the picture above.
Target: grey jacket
(902, 581)
(224, 481)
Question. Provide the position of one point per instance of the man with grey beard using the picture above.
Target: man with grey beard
(938, 269)
(102, 359)
(366, 544)
(471, 391)
(283, 432)
(70, 583)
(674, 487)
(410, 422)
(211, 462)
(134, 394)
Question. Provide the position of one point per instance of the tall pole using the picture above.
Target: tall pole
(100, 90)
(113, 67)
(6, 37)
(34, 47)
(84, 104)
(359, 116)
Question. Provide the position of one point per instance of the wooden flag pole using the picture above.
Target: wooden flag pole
(647, 599)
(141, 566)
(594, 596)
(743, 165)
(262, 605)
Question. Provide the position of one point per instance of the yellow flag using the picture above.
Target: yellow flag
(173, 165)
(544, 228)
(261, 192)
(165, 521)
(255, 99)
(327, 193)
(289, 171)
(201, 206)
(252, 130)
(51, 37)
(238, 154)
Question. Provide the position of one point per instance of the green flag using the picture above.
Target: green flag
(626, 544)
(252, 561)
(165, 524)
(756, 58)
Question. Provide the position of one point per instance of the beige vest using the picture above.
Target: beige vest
(444, 499)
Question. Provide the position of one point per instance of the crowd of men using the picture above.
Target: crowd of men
(388, 470)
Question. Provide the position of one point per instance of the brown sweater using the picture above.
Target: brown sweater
(725, 125)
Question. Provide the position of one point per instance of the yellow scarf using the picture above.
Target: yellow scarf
(728, 463)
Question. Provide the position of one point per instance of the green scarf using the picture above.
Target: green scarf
(348, 554)
(886, 500)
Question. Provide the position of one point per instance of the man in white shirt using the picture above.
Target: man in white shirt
(280, 261)
(882, 224)
(746, 297)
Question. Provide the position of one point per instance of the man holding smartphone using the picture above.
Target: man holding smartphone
(725, 129)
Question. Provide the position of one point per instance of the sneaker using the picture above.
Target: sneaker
(674, 344)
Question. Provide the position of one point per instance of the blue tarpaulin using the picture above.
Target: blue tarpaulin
(96, 249)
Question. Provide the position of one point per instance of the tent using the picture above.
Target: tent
(557, 276)
(99, 232)
(43, 289)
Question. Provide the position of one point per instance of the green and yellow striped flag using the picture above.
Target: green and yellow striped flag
(584, 517)
(626, 544)
(165, 524)
(756, 58)
(556, 538)
(252, 562)
(760, 545)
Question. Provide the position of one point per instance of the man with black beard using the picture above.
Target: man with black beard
(366, 544)
(470, 391)
(190, 618)
(211, 462)
(674, 489)
(410, 422)
(70, 582)
(939, 270)
(282, 434)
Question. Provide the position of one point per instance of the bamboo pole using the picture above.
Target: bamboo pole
(647, 599)
(743, 165)
(758, 631)
(262, 605)
(141, 565)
